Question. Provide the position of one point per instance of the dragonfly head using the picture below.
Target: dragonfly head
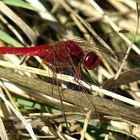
(91, 60)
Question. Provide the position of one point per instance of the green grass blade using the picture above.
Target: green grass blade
(19, 3)
(8, 39)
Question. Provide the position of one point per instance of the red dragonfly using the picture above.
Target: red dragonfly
(63, 54)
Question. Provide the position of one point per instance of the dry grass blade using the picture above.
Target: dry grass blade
(39, 97)
(26, 124)
(83, 132)
(3, 135)
(9, 96)
(124, 78)
(17, 20)
(42, 10)
(38, 71)
(12, 29)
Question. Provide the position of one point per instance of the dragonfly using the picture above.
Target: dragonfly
(58, 55)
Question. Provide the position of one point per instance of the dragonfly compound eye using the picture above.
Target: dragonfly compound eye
(91, 61)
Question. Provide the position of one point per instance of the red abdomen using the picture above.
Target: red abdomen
(33, 51)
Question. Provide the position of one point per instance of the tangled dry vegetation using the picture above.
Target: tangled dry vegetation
(104, 105)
